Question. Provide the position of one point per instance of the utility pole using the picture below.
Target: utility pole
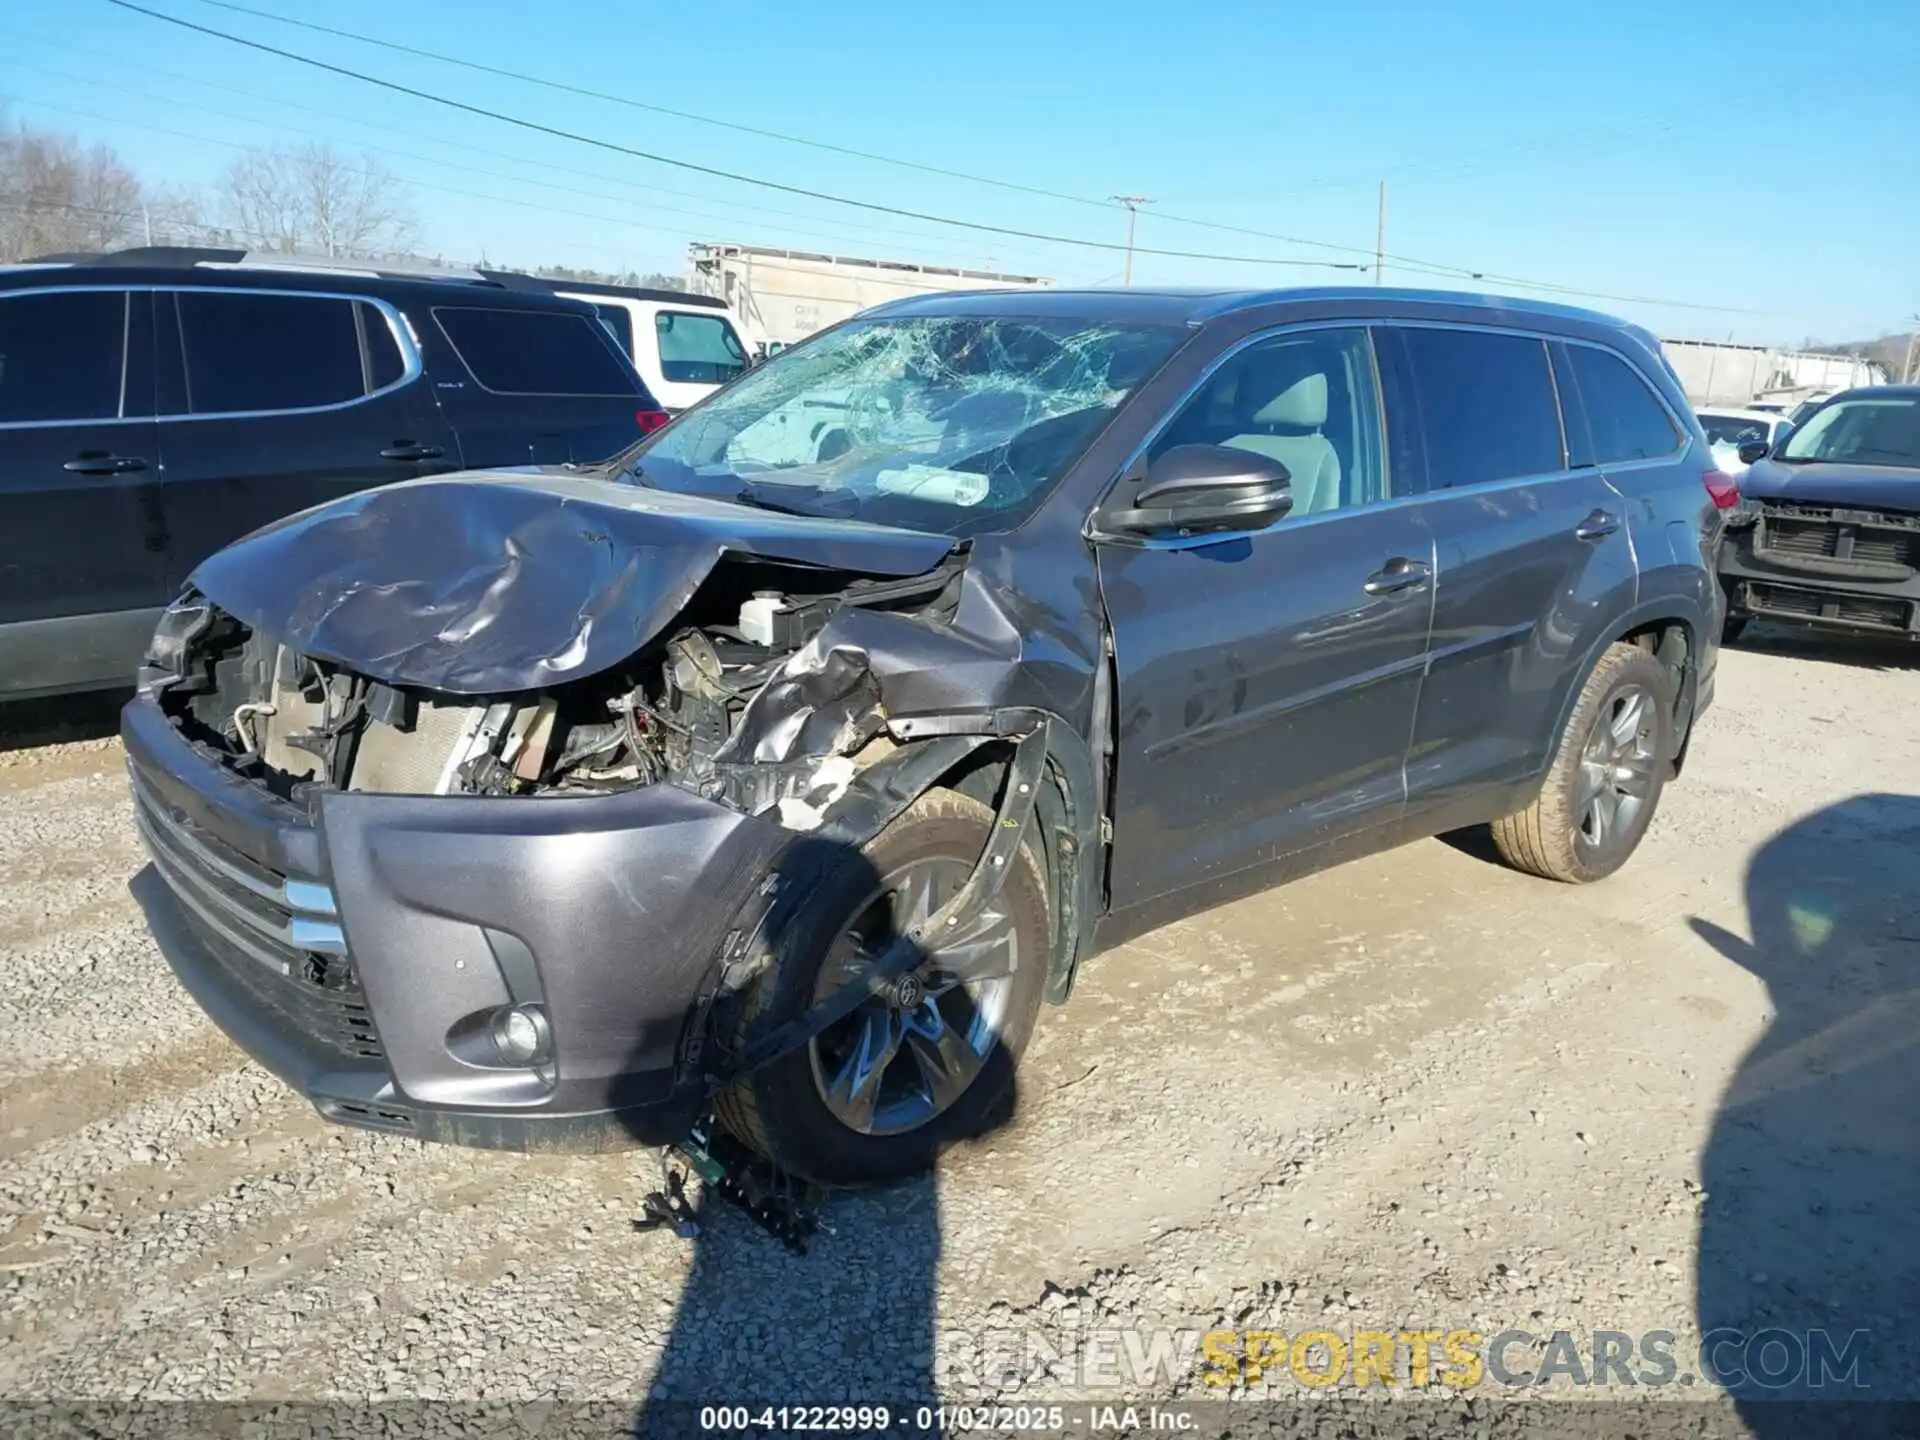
(1133, 204)
(1906, 366)
(1380, 239)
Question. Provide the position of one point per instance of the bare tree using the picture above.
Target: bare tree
(56, 194)
(315, 199)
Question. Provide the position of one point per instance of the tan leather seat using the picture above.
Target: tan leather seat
(1287, 427)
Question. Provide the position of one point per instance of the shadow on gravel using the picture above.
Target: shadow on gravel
(850, 1323)
(29, 724)
(1809, 1280)
(1867, 652)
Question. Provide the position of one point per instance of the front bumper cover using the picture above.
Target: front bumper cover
(615, 906)
(1816, 567)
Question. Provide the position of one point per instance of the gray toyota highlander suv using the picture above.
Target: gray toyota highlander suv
(783, 766)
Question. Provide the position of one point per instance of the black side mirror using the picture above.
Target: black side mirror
(1754, 450)
(1208, 489)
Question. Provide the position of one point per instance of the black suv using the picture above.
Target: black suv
(1827, 533)
(787, 763)
(158, 404)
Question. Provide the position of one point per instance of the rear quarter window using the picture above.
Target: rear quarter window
(1624, 420)
(619, 325)
(534, 352)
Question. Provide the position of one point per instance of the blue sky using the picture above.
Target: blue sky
(1756, 156)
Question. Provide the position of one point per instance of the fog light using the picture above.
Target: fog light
(521, 1035)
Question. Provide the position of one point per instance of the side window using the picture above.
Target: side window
(698, 349)
(619, 324)
(245, 351)
(1481, 402)
(1623, 417)
(1306, 399)
(385, 364)
(62, 356)
(537, 352)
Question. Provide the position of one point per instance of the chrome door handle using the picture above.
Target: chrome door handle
(105, 465)
(1596, 526)
(1396, 575)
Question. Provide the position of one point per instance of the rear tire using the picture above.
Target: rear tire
(1606, 778)
(783, 1110)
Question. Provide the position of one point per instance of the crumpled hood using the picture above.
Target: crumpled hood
(501, 581)
(1871, 487)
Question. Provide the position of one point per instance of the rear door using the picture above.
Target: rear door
(275, 401)
(540, 387)
(1619, 424)
(1267, 682)
(82, 538)
(1532, 549)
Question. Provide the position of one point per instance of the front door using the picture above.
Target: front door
(1267, 683)
(276, 402)
(82, 539)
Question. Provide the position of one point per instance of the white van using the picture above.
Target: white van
(684, 346)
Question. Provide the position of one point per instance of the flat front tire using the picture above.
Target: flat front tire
(1606, 778)
(879, 1095)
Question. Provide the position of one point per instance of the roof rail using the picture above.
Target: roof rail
(552, 284)
(347, 265)
(167, 257)
(149, 255)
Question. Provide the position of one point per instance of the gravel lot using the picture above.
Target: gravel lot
(1420, 1091)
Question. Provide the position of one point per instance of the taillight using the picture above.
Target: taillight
(1721, 489)
(652, 420)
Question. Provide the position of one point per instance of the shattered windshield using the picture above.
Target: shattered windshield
(947, 423)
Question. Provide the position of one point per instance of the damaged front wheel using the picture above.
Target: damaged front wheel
(930, 1059)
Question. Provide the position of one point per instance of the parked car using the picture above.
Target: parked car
(157, 404)
(1731, 431)
(685, 346)
(1804, 409)
(1827, 533)
(541, 810)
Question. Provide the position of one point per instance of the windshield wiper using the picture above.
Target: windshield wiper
(750, 496)
(757, 496)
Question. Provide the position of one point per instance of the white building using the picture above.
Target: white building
(1722, 374)
(786, 295)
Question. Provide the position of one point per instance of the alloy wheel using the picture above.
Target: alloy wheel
(906, 1055)
(1617, 769)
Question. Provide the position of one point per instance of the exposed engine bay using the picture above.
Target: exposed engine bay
(738, 702)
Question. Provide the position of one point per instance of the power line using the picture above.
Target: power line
(1413, 263)
(648, 188)
(715, 171)
(652, 205)
(1408, 262)
(589, 93)
(632, 104)
(539, 206)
